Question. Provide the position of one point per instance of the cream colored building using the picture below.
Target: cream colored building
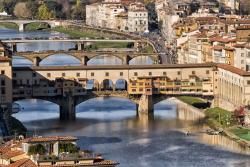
(5, 82)
(114, 15)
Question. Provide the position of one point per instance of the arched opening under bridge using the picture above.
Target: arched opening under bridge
(19, 61)
(121, 84)
(60, 60)
(107, 85)
(36, 109)
(141, 60)
(105, 60)
(106, 108)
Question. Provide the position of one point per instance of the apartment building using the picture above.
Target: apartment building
(113, 14)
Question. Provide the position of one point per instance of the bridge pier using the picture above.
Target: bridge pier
(67, 108)
(126, 60)
(145, 106)
(21, 27)
(36, 61)
(80, 46)
(14, 47)
(84, 60)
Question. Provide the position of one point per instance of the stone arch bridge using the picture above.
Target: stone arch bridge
(84, 56)
(67, 104)
(22, 23)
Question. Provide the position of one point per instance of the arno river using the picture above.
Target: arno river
(110, 125)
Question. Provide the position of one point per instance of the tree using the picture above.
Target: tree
(37, 149)
(240, 114)
(21, 10)
(33, 7)
(78, 11)
(44, 13)
(8, 5)
(68, 147)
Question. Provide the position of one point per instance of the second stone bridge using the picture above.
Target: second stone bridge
(84, 56)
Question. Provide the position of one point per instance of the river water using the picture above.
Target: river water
(110, 126)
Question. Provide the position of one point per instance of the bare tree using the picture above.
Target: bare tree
(21, 10)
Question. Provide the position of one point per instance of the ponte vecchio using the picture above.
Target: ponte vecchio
(145, 85)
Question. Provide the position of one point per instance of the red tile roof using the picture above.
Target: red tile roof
(233, 69)
(23, 163)
(11, 154)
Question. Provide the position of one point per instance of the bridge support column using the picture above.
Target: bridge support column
(21, 27)
(126, 60)
(145, 106)
(80, 46)
(36, 61)
(14, 47)
(67, 108)
(84, 60)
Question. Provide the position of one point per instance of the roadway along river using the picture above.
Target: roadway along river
(110, 126)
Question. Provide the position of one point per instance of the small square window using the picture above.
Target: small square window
(121, 74)
(2, 72)
(48, 75)
(135, 74)
(193, 72)
(92, 74)
(78, 74)
(150, 73)
(106, 74)
(178, 73)
(164, 73)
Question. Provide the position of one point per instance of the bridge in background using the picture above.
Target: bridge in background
(85, 56)
(22, 23)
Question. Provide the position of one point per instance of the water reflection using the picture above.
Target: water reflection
(60, 60)
(105, 60)
(18, 61)
(110, 126)
(141, 60)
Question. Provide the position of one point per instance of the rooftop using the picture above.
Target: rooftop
(11, 154)
(23, 163)
(233, 69)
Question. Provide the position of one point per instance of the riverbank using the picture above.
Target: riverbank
(12, 26)
(222, 120)
(76, 32)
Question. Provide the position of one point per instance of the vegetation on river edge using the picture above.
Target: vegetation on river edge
(218, 118)
(9, 25)
(16, 127)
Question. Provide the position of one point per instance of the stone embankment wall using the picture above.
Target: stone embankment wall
(186, 111)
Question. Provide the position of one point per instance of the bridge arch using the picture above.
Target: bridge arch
(60, 59)
(105, 60)
(44, 99)
(107, 85)
(121, 84)
(138, 60)
(21, 61)
(93, 85)
(43, 24)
